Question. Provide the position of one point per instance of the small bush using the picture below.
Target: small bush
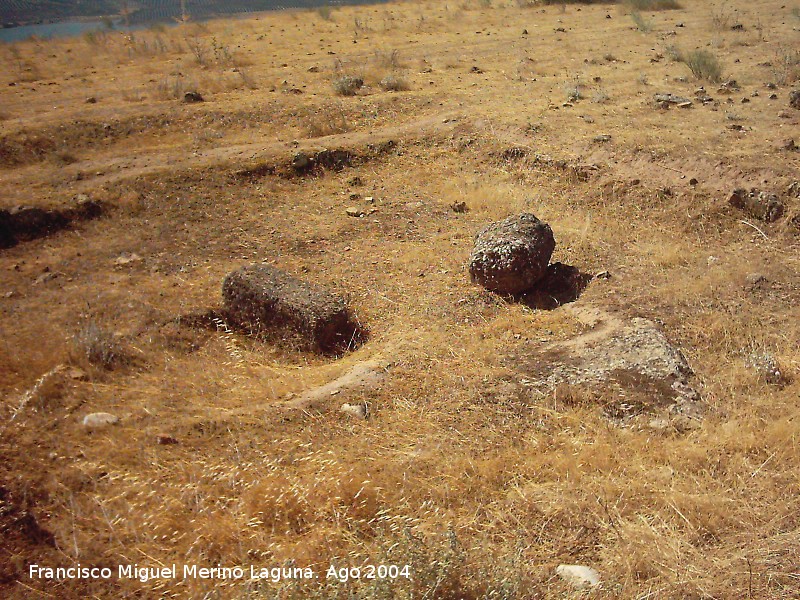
(99, 347)
(704, 65)
(574, 90)
(392, 83)
(347, 85)
(323, 123)
(642, 24)
(787, 66)
(721, 18)
(388, 59)
(171, 87)
(674, 53)
(325, 13)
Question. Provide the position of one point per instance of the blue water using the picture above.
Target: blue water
(49, 30)
(73, 28)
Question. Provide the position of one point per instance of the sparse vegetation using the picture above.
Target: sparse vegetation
(471, 462)
(393, 83)
(347, 85)
(172, 87)
(787, 66)
(703, 64)
(94, 346)
(642, 24)
(574, 89)
(600, 96)
(325, 12)
(722, 17)
(330, 122)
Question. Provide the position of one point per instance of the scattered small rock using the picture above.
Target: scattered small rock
(74, 373)
(45, 278)
(603, 275)
(301, 161)
(579, 576)
(459, 207)
(99, 420)
(672, 99)
(693, 181)
(767, 367)
(91, 100)
(754, 280)
(354, 211)
(164, 439)
(601, 139)
(360, 410)
(794, 99)
(788, 145)
(192, 97)
(761, 205)
(127, 258)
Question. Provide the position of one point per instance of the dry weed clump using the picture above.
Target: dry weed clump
(704, 65)
(325, 13)
(347, 85)
(787, 66)
(94, 346)
(642, 24)
(323, 123)
(173, 87)
(393, 83)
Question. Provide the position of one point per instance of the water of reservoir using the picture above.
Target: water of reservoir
(73, 28)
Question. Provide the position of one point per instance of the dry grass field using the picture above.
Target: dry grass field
(466, 469)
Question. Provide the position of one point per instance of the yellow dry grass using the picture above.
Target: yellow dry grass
(481, 486)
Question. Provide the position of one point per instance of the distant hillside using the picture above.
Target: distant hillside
(141, 11)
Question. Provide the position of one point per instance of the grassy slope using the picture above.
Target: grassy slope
(478, 483)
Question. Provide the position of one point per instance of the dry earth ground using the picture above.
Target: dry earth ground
(481, 484)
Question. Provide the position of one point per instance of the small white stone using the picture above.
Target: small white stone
(127, 258)
(99, 420)
(355, 410)
(579, 576)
